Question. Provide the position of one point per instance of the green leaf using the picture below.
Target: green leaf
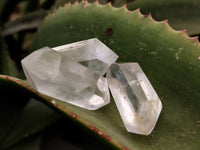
(7, 66)
(32, 118)
(169, 58)
(9, 110)
(115, 3)
(18, 117)
(30, 6)
(181, 14)
(2, 4)
(32, 143)
(26, 22)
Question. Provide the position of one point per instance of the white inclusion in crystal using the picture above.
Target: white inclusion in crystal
(55, 75)
(92, 53)
(136, 99)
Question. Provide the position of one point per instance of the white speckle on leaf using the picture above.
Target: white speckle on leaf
(53, 102)
(177, 55)
(153, 52)
(171, 49)
(142, 44)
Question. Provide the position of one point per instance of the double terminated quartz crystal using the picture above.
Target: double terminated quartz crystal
(74, 73)
(136, 100)
(69, 72)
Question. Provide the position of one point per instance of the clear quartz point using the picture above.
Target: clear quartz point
(55, 75)
(91, 53)
(136, 99)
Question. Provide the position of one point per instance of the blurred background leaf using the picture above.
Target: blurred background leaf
(181, 14)
(28, 124)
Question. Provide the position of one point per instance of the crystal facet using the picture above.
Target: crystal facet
(136, 99)
(55, 75)
(91, 53)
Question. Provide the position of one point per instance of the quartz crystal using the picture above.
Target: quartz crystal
(58, 76)
(91, 53)
(136, 100)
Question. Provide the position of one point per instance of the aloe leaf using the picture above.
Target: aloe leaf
(2, 4)
(7, 66)
(31, 143)
(115, 3)
(6, 8)
(32, 118)
(182, 14)
(30, 6)
(169, 58)
(18, 117)
(9, 117)
(35, 142)
(27, 22)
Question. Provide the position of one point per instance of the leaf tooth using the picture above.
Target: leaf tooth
(165, 21)
(69, 3)
(60, 7)
(138, 11)
(125, 6)
(184, 31)
(109, 3)
(126, 9)
(152, 19)
(76, 2)
(97, 1)
(147, 15)
(86, 3)
(196, 40)
(66, 4)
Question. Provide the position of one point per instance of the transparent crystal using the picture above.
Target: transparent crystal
(55, 75)
(92, 53)
(136, 100)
